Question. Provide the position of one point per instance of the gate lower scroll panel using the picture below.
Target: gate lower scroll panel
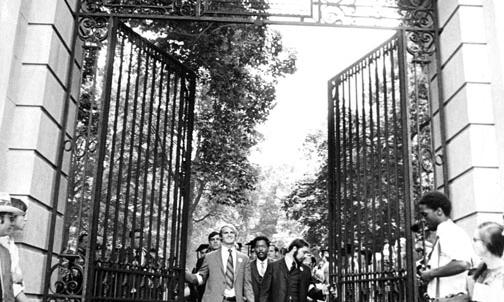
(131, 152)
(379, 162)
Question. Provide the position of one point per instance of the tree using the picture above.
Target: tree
(238, 66)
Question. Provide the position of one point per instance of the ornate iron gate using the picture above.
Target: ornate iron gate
(380, 160)
(129, 177)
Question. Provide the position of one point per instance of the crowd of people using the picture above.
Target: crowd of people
(455, 269)
(12, 220)
(265, 273)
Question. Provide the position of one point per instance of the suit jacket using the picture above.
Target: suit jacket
(212, 272)
(256, 279)
(274, 286)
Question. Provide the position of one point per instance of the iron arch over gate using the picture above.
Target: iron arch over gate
(380, 161)
(130, 171)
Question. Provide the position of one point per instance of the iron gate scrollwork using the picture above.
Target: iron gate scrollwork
(380, 160)
(130, 169)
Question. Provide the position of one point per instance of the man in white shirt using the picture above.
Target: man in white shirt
(226, 272)
(452, 253)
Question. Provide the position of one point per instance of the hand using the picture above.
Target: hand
(426, 276)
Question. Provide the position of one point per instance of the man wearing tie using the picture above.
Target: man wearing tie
(287, 279)
(225, 271)
(260, 264)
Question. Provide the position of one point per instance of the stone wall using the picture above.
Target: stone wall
(34, 58)
(472, 84)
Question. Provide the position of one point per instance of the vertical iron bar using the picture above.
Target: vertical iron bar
(132, 143)
(61, 152)
(372, 170)
(387, 154)
(121, 151)
(344, 173)
(339, 266)
(147, 152)
(412, 290)
(331, 190)
(163, 168)
(108, 198)
(169, 176)
(441, 97)
(175, 179)
(140, 145)
(396, 152)
(187, 180)
(359, 189)
(154, 166)
(96, 200)
(379, 158)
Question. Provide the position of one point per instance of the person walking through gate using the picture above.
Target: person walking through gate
(287, 279)
(451, 254)
(225, 271)
(259, 266)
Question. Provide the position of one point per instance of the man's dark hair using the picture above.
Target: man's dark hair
(259, 238)
(434, 200)
(212, 234)
(132, 232)
(299, 243)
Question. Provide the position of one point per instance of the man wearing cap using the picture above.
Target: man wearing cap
(226, 272)
(198, 290)
(8, 215)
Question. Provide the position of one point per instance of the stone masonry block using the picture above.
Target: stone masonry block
(54, 12)
(32, 261)
(43, 47)
(471, 105)
(41, 89)
(466, 26)
(469, 64)
(478, 184)
(446, 8)
(475, 146)
(34, 130)
(28, 174)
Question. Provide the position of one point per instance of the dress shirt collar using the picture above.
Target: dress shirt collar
(289, 261)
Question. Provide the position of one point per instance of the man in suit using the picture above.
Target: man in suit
(259, 266)
(225, 271)
(287, 279)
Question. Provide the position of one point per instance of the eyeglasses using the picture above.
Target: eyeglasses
(215, 239)
(229, 232)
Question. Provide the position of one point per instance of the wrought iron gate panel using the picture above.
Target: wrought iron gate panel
(129, 178)
(380, 160)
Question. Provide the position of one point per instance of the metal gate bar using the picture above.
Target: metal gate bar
(130, 174)
(370, 164)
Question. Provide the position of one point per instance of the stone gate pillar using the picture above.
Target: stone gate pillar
(35, 42)
(472, 68)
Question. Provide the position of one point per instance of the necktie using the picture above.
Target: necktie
(230, 271)
(293, 266)
(262, 269)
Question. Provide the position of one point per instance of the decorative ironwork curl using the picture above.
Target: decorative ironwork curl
(70, 275)
(93, 30)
